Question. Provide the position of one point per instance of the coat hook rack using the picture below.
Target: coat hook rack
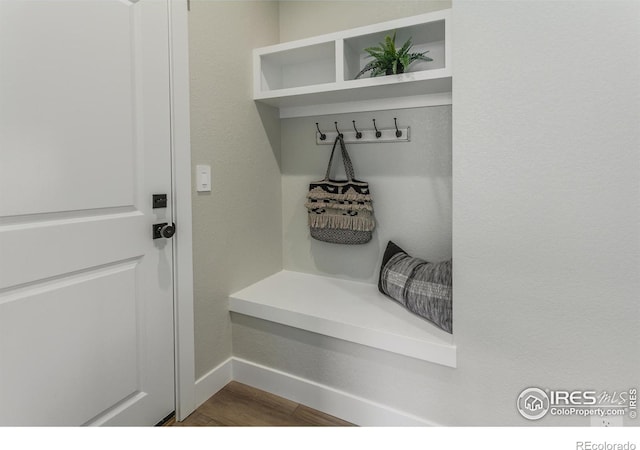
(376, 135)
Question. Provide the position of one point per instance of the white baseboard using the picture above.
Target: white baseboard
(343, 405)
(213, 381)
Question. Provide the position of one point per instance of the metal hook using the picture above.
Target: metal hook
(322, 135)
(398, 132)
(339, 134)
(358, 134)
(378, 133)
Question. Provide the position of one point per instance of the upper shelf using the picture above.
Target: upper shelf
(316, 75)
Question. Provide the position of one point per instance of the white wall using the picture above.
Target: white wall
(546, 223)
(236, 227)
(300, 19)
(410, 183)
(546, 196)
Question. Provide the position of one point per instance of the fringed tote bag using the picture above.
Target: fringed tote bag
(340, 211)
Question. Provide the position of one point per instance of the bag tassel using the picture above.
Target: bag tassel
(319, 194)
(341, 222)
(317, 205)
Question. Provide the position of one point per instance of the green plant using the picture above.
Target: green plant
(388, 60)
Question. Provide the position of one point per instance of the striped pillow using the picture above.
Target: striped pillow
(424, 288)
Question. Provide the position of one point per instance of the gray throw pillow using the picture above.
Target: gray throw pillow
(424, 288)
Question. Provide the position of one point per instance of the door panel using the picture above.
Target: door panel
(86, 296)
(40, 328)
(86, 241)
(71, 100)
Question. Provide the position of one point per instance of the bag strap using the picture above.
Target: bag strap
(346, 160)
(333, 150)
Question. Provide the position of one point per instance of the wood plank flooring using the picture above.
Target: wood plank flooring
(240, 405)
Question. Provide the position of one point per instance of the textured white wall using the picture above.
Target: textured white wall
(546, 168)
(546, 223)
(300, 19)
(237, 233)
(410, 184)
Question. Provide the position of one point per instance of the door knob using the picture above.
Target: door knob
(164, 230)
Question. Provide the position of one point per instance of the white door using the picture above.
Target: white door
(86, 294)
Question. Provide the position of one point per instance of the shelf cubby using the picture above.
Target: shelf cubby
(302, 66)
(424, 36)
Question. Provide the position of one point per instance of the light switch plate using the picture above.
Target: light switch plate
(203, 178)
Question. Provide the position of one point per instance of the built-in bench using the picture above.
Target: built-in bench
(348, 310)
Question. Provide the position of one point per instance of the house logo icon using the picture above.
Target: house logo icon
(533, 403)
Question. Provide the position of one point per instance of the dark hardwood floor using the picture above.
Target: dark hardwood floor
(240, 405)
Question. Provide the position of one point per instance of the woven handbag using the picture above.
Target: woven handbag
(340, 211)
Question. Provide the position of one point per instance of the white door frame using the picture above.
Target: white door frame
(185, 401)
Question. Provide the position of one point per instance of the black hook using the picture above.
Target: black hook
(358, 134)
(398, 132)
(322, 135)
(378, 133)
(339, 134)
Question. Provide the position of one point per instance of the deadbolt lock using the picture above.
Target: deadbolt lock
(164, 230)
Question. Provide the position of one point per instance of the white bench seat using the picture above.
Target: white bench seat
(348, 310)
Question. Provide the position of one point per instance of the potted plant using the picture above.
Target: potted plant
(388, 60)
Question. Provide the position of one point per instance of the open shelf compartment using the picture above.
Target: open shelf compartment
(303, 66)
(424, 36)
